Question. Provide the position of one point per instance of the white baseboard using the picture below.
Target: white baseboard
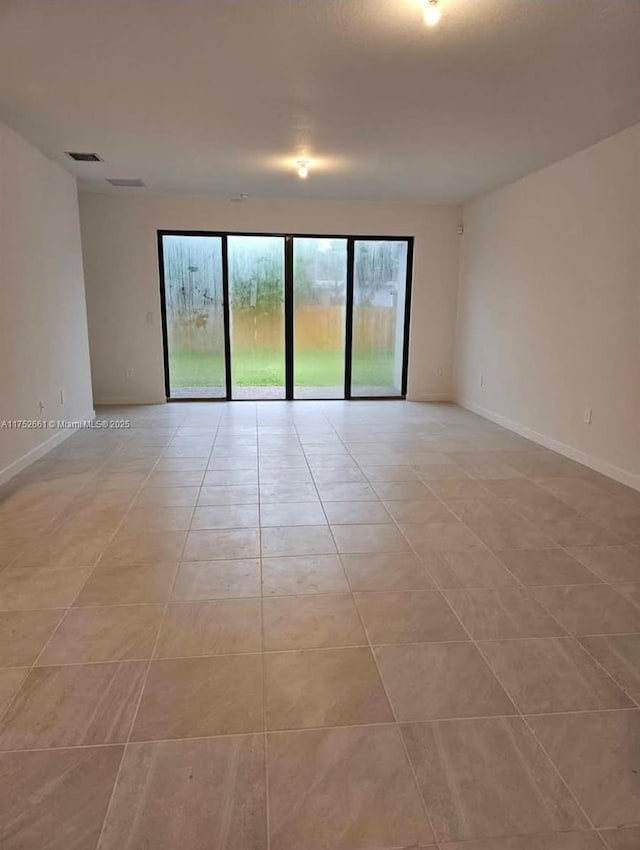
(41, 450)
(611, 470)
(431, 397)
(120, 401)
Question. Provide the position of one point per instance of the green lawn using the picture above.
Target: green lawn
(312, 369)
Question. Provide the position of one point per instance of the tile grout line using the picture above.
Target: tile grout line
(262, 654)
(296, 729)
(372, 652)
(527, 589)
(575, 638)
(586, 649)
(69, 607)
(524, 717)
(600, 581)
(519, 713)
(127, 742)
(598, 665)
(56, 517)
(318, 649)
(563, 548)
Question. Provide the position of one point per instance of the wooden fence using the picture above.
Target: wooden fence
(316, 328)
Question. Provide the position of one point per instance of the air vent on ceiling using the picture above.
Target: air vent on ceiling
(126, 182)
(84, 157)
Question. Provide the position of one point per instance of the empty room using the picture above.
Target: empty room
(319, 424)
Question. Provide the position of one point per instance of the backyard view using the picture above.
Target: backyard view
(193, 276)
(193, 296)
(320, 296)
(256, 303)
(313, 369)
(379, 283)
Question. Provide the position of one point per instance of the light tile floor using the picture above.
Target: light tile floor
(329, 626)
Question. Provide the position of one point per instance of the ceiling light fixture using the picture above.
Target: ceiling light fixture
(126, 182)
(431, 13)
(303, 168)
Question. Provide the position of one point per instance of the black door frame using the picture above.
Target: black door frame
(289, 311)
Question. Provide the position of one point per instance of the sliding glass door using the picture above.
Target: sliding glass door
(320, 297)
(194, 316)
(256, 306)
(379, 299)
(255, 316)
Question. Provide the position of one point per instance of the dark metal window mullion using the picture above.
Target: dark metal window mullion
(348, 331)
(407, 316)
(163, 315)
(288, 318)
(226, 317)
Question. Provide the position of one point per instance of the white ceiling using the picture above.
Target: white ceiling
(222, 96)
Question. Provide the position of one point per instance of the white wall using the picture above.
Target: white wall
(121, 270)
(43, 325)
(549, 306)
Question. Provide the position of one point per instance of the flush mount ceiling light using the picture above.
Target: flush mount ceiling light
(303, 168)
(431, 13)
(126, 182)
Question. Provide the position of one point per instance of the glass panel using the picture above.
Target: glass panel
(320, 289)
(379, 292)
(256, 295)
(195, 317)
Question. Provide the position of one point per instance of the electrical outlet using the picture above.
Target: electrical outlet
(61, 396)
(129, 373)
(586, 416)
